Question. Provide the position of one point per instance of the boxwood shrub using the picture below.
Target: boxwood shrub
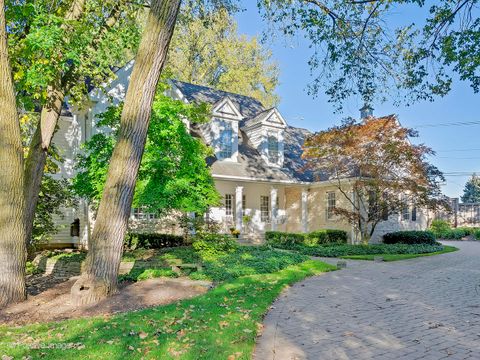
(374, 249)
(409, 237)
(152, 241)
(318, 237)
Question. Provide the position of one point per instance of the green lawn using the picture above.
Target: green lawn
(221, 324)
(395, 257)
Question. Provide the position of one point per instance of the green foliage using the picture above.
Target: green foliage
(410, 237)
(222, 322)
(207, 50)
(48, 48)
(442, 230)
(313, 238)
(210, 245)
(471, 192)
(152, 241)
(440, 227)
(476, 234)
(173, 173)
(374, 249)
(396, 257)
(31, 268)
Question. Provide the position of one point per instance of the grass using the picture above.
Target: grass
(396, 257)
(221, 324)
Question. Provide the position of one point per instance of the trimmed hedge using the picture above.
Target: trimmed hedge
(318, 237)
(410, 237)
(152, 241)
(375, 249)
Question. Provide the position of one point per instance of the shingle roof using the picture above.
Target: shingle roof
(250, 162)
(248, 107)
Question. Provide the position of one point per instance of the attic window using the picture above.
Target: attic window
(273, 153)
(226, 139)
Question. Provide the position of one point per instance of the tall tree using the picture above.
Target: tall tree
(12, 203)
(358, 51)
(105, 248)
(173, 174)
(471, 192)
(376, 168)
(207, 50)
(57, 48)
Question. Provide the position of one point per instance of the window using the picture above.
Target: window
(244, 203)
(226, 139)
(264, 208)
(414, 213)
(272, 146)
(331, 202)
(405, 210)
(229, 200)
(141, 214)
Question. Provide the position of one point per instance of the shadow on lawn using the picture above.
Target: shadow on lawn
(216, 325)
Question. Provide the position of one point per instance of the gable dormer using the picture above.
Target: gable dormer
(265, 132)
(221, 133)
(226, 109)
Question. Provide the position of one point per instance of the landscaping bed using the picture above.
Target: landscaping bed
(395, 257)
(374, 249)
(221, 324)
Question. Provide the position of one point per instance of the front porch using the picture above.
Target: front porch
(254, 208)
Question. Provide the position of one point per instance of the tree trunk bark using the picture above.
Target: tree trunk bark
(105, 248)
(12, 202)
(38, 152)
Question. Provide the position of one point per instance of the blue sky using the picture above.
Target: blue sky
(453, 144)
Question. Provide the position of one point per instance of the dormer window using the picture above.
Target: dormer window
(226, 141)
(273, 150)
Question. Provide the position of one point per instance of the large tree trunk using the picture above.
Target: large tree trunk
(105, 247)
(37, 154)
(12, 216)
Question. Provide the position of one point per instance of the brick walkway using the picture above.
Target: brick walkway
(424, 308)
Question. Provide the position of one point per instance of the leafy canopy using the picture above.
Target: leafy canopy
(48, 47)
(376, 160)
(207, 50)
(363, 49)
(173, 174)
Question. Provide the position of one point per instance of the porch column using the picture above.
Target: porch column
(238, 207)
(274, 207)
(305, 210)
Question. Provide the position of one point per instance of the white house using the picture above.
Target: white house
(257, 167)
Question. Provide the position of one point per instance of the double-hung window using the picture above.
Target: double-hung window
(405, 210)
(331, 203)
(264, 208)
(273, 150)
(229, 203)
(226, 141)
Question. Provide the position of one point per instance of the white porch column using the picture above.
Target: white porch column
(238, 207)
(305, 210)
(274, 207)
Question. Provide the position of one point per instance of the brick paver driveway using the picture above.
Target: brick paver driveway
(424, 308)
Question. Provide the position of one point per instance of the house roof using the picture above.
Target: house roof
(248, 106)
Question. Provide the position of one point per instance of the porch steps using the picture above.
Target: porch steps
(252, 239)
